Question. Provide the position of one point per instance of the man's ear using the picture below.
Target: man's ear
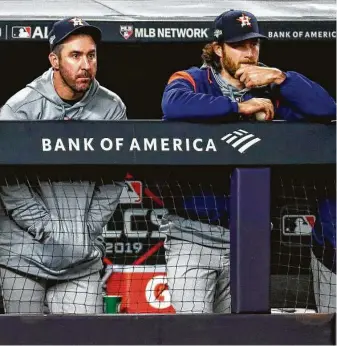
(218, 49)
(54, 61)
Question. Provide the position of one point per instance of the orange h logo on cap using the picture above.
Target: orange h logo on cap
(76, 21)
(245, 20)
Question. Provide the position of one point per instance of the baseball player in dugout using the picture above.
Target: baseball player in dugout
(51, 243)
(231, 85)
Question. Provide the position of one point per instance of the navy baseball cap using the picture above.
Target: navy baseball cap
(69, 26)
(235, 26)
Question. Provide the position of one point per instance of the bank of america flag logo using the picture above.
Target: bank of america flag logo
(241, 140)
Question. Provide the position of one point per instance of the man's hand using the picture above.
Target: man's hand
(255, 105)
(255, 76)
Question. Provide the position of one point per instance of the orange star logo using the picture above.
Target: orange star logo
(244, 20)
(76, 21)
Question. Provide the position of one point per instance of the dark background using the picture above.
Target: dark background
(139, 72)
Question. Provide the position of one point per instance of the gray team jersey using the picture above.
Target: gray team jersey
(54, 229)
(195, 232)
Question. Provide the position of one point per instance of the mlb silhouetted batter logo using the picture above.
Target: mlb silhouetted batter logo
(298, 224)
(132, 192)
(21, 31)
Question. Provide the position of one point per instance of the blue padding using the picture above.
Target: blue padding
(325, 225)
(212, 207)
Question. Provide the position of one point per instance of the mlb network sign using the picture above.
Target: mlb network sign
(128, 31)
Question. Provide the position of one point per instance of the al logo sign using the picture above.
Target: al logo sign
(157, 293)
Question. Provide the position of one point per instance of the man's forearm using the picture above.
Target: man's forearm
(26, 210)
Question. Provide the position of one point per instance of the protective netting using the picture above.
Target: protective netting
(163, 238)
(51, 243)
(169, 243)
(303, 265)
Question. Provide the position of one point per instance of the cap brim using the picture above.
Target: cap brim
(91, 30)
(247, 36)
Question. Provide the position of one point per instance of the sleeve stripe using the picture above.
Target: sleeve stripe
(183, 75)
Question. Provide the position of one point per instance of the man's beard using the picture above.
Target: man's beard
(72, 85)
(231, 67)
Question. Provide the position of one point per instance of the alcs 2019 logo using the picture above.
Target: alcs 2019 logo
(135, 220)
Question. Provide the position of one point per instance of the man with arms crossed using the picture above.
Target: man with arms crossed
(230, 86)
(51, 242)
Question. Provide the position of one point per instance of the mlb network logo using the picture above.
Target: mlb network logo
(296, 225)
(126, 31)
(240, 140)
(132, 193)
(21, 32)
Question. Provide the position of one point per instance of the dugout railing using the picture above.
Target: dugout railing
(108, 150)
